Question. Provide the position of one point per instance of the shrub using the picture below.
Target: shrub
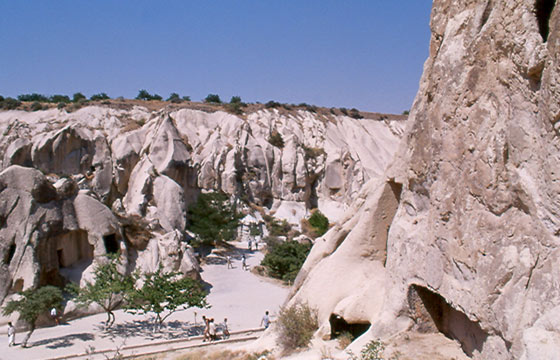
(284, 259)
(174, 98)
(100, 96)
(10, 103)
(187, 98)
(78, 96)
(355, 113)
(1, 98)
(319, 222)
(59, 98)
(213, 98)
(276, 139)
(406, 112)
(145, 95)
(235, 100)
(33, 97)
(272, 104)
(296, 326)
(373, 350)
(36, 106)
(60, 106)
(312, 153)
(277, 227)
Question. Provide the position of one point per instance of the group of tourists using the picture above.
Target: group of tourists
(210, 329)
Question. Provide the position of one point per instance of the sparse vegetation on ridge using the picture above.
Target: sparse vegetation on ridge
(296, 325)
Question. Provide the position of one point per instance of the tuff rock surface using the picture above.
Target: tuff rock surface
(76, 186)
(463, 238)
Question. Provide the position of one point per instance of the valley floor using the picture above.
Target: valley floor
(237, 294)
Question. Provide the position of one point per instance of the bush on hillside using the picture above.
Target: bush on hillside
(59, 98)
(296, 326)
(276, 139)
(145, 95)
(10, 104)
(100, 96)
(78, 96)
(213, 98)
(33, 97)
(284, 259)
(319, 222)
(36, 106)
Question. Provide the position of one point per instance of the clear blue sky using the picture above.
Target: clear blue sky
(366, 54)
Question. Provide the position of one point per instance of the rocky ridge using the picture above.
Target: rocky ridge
(76, 186)
(461, 238)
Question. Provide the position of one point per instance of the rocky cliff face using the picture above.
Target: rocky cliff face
(463, 238)
(78, 185)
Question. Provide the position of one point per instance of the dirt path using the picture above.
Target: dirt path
(237, 294)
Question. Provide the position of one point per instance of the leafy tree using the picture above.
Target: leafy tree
(235, 100)
(319, 222)
(1, 98)
(145, 95)
(108, 288)
(32, 303)
(33, 97)
(59, 98)
(213, 218)
(10, 103)
(174, 98)
(78, 96)
(213, 98)
(100, 96)
(284, 259)
(165, 293)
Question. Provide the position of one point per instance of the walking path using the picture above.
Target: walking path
(239, 295)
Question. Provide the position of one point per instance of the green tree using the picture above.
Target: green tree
(100, 96)
(174, 98)
(33, 97)
(187, 98)
(107, 290)
(78, 96)
(284, 259)
(10, 103)
(235, 100)
(32, 303)
(164, 293)
(213, 98)
(213, 218)
(57, 98)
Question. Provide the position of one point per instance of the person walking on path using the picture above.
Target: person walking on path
(265, 320)
(244, 262)
(225, 329)
(250, 245)
(54, 315)
(206, 328)
(11, 334)
(228, 260)
(212, 330)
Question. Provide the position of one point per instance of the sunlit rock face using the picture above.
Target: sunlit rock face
(77, 186)
(472, 251)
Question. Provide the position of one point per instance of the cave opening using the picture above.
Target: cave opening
(543, 11)
(431, 314)
(111, 243)
(339, 326)
(9, 255)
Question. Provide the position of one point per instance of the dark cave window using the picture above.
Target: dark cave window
(543, 10)
(111, 244)
(10, 254)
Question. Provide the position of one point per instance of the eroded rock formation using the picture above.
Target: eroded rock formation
(472, 252)
(76, 186)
